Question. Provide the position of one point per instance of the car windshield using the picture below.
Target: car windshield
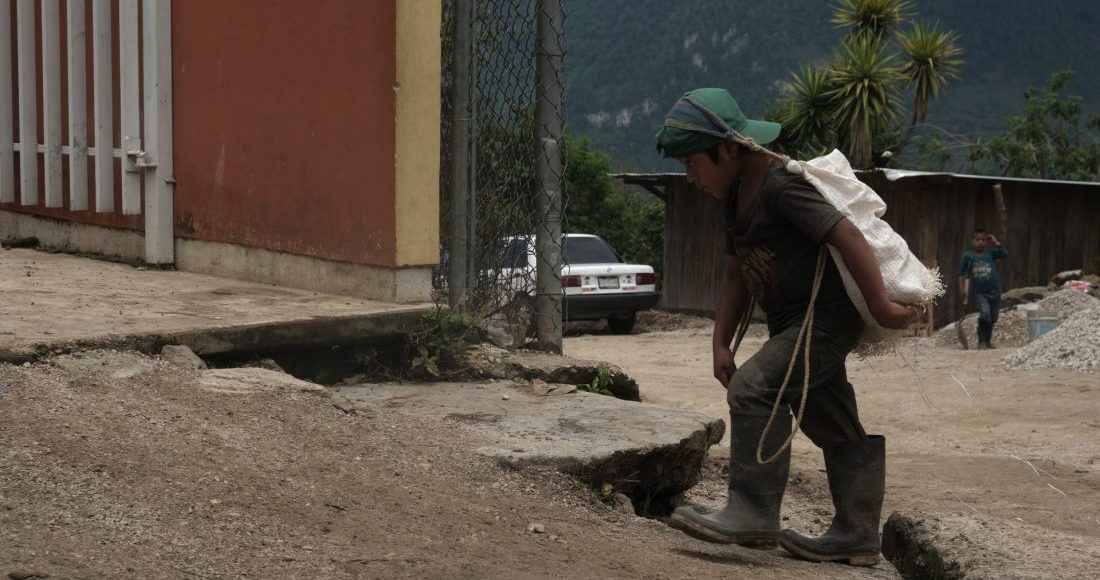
(589, 251)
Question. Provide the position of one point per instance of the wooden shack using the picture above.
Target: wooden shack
(1052, 226)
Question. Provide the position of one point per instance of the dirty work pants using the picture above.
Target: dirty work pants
(831, 416)
(989, 307)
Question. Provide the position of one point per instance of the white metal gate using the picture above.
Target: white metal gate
(145, 123)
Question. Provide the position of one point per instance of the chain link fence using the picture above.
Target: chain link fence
(502, 166)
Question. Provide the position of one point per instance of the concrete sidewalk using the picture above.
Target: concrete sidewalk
(58, 302)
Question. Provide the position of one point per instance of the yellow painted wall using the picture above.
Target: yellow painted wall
(418, 122)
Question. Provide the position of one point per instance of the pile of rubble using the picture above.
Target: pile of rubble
(1010, 330)
(1073, 345)
(1067, 302)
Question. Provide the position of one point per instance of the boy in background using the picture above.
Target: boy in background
(978, 272)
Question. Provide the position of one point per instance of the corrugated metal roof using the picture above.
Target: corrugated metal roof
(889, 174)
(897, 174)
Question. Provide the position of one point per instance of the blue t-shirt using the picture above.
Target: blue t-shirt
(982, 269)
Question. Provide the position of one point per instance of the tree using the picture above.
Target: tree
(855, 100)
(931, 59)
(1051, 140)
(632, 222)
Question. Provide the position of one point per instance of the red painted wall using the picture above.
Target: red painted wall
(284, 125)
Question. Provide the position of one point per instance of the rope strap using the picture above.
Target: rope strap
(802, 342)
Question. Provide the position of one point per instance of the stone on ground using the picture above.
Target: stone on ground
(242, 381)
(182, 356)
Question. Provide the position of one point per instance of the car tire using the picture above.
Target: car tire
(622, 324)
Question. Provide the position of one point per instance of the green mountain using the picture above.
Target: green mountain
(628, 60)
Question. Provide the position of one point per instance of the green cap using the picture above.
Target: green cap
(703, 118)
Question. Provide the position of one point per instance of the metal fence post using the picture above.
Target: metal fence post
(549, 124)
(461, 154)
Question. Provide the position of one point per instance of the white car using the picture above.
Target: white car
(595, 281)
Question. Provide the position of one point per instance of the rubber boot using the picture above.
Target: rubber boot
(857, 480)
(751, 515)
(983, 335)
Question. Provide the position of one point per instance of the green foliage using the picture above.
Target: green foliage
(863, 93)
(600, 384)
(872, 18)
(1051, 140)
(806, 115)
(628, 60)
(632, 222)
(436, 349)
(855, 101)
(931, 58)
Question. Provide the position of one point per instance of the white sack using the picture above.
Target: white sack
(907, 280)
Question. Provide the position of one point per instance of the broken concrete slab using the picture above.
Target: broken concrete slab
(245, 380)
(182, 356)
(497, 363)
(114, 364)
(647, 452)
(974, 546)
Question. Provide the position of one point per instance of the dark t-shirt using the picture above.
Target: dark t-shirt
(777, 241)
(982, 269)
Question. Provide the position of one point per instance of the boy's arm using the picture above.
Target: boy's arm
(861, 264)
(733, 299)
(999, 252)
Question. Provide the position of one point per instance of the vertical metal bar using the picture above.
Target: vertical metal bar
(7, 158)
(103, 97)
(129, 104)
(472, 253)
(78, 108)
(549, 124)
(458, 257)
(51, 101)
(157, 46)
(28, 105)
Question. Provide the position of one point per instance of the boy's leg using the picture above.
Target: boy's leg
(751, 515)
(985, 317)
(994, 316)
(856, 467)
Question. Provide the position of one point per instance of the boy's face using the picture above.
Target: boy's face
(980, 242)
(713, 178)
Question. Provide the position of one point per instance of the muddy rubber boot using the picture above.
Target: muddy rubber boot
(857, 480)
(751, 515)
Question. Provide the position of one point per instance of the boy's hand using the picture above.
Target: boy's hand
(895, 316)
(724, 366)
(993, 239)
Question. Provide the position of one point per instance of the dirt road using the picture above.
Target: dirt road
(115, 465)
(1016, 453)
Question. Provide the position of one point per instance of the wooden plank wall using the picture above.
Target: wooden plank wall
(1052, 227)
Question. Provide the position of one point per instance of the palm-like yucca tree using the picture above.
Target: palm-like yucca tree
(809, 116)
(931, 58)
(876, 18)
(864, 81)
